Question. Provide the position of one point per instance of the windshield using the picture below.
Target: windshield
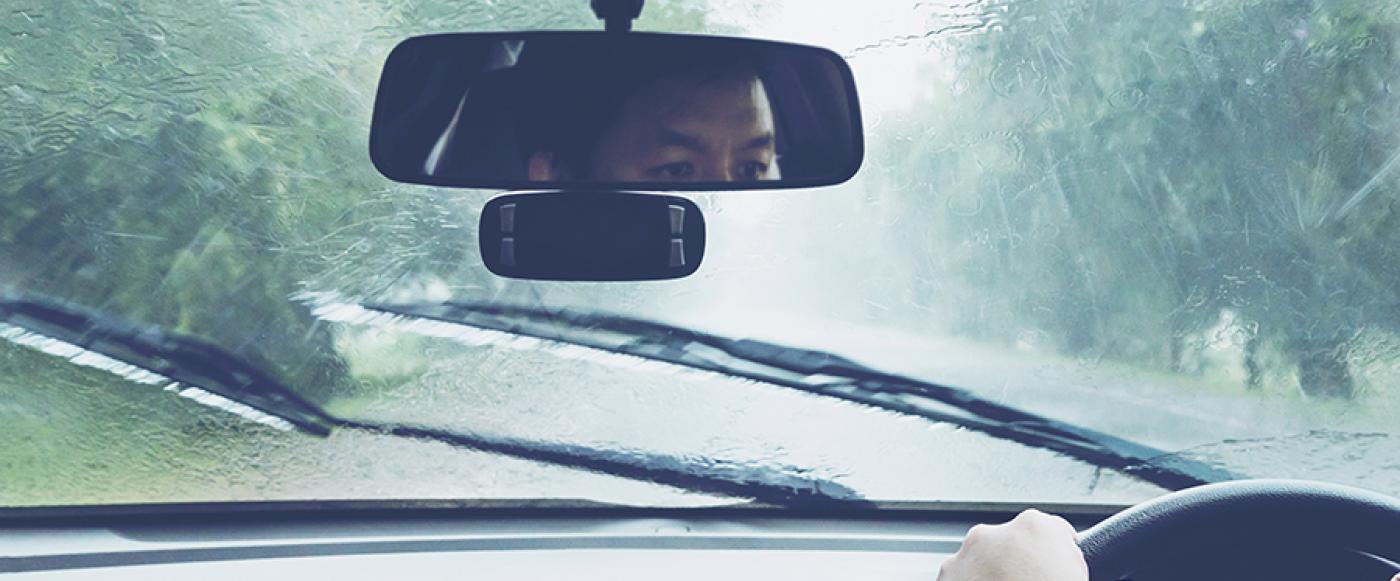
(1172, 227)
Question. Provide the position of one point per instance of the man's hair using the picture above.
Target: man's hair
(571, 98)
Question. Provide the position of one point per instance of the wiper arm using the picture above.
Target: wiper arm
(191, 368)
(213, 376)
(815, 372)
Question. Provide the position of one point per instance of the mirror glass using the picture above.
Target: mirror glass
(558, 110)
(592, 236)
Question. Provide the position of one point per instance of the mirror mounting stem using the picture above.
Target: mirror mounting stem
(617, 15)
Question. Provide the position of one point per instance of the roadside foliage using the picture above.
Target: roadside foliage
(1204, 192)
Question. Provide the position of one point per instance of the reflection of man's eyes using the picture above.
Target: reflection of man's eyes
(673, 171)
(684, 170)
(753, 170)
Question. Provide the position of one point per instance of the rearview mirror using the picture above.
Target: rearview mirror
(597, 110)
(587, 236)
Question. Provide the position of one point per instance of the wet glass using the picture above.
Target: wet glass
(1173, 222)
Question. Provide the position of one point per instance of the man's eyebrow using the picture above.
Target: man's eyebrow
(759, 142)
(671, 137)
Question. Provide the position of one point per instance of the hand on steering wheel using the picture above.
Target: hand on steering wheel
(1224, 526)
(1034, 546)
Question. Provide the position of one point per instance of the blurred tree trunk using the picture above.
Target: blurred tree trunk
(1252, 369)
(1322, 368)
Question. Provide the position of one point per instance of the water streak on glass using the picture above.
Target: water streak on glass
(1176, 222)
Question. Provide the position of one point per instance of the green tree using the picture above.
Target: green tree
(196, 164)
(1133, 170)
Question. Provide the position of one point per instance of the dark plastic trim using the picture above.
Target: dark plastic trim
(488, 236)
(293, 510)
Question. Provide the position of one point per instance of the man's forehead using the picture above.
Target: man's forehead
(739, 112)
(705, 137)
(731, 98)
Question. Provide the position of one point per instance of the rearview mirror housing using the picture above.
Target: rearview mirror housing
(606, 111)
(591, 236)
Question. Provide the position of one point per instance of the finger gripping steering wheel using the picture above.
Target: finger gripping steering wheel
(1247, 517)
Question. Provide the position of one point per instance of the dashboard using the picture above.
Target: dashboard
(617, 545)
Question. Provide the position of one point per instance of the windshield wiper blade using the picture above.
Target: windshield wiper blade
(149, 355)
(213, 376)
(816, 372)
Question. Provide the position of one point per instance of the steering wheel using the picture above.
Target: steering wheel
(1250, 529)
